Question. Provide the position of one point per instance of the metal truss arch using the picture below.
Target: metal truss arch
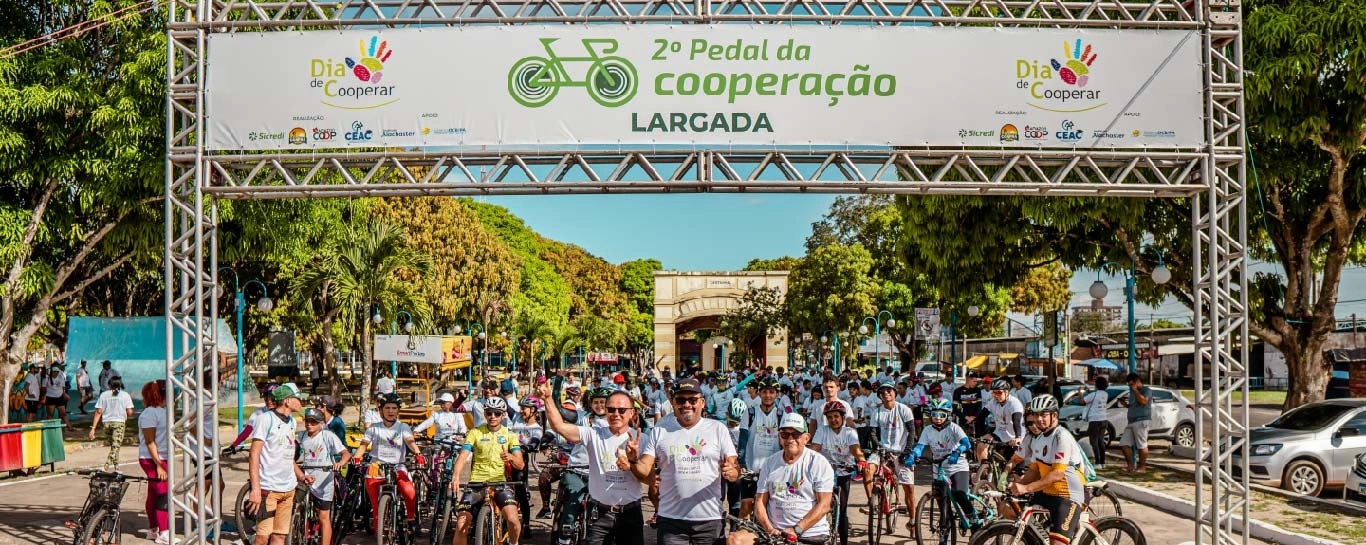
(1213, 177)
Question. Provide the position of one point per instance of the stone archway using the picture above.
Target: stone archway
(688, 301)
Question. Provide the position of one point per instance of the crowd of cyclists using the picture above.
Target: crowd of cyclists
(749, 456)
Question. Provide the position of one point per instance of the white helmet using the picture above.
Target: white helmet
(737, 409)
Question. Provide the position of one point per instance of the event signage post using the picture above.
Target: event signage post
(695, 84)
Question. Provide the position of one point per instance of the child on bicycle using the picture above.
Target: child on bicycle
(947, 441)
(320, 447)
(392, 441)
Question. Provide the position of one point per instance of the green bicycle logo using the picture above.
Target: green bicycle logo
(611, 81)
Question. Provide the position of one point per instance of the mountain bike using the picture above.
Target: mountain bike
(939, 519)
(304, 526)
(489, 526)
(443, 469)
(1031, 528)
(882, 508)
(351, 506)
(611, 80)
(991, 473)
(391, 521)
(579, 532)
(98, 523)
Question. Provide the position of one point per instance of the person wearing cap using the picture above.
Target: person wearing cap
(613, 489)
(321, 454)
(448, 423)
(892, 423)
(794, 491)
(839, 444)
(967, 402)
(33, 392)
(693, 454)
(271, 470)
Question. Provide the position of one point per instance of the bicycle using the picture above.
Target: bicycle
(443, 469)
(881, 508)
(1031, 528)
(98, 523)
(991, 473)
(304, 524)
(939, 519)
(244, 518)
(611, 80)
(580, 530)
(489, 526)
(839, 510)
(391, 526)
(351, 507)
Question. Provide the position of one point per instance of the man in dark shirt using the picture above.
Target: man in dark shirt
(967, 401)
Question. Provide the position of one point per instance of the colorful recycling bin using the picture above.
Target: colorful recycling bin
(33, 444)
(11, 447)
(54, 445)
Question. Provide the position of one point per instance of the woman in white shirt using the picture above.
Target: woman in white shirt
(114, 408)
(1096, 421)
(153, 447)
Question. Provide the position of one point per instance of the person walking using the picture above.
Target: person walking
(694, 454)
(107, 372)
(54, 393)
(271, 469)
(153, 447)
(33, 392)
(1134, 443)
(84, 387)
(1096, 421)
(114, 408)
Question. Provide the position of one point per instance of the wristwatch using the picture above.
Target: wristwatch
(798, 530)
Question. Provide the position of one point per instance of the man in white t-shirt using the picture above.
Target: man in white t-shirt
(694, 454)
(612, 487)
(33, 391)
(892, 422)
(385, 384)
(794, 491)
(271, 467)
(321, 453)
(84, 386)
(830, 389)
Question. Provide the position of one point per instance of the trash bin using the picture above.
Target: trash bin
(54, 445)
(33, 445)
(11, 447)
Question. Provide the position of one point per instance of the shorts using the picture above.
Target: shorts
(1136, 434)
(275, 511)
(86, 390)
(1064, 516)
(34, 405)
(59, 401)
(319, 503)
(904, 474)
(473, 498)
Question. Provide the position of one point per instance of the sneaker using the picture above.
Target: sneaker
(543, 513)
(147, 534)
(164, 538)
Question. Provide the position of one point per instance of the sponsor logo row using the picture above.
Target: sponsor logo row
(357, 132)
(1067, 132)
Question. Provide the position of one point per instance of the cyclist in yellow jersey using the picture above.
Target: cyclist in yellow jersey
(491, 448)
(1055, 471)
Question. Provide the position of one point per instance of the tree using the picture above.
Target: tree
(831, 288)
(638, 283)
(81, 152)
(784, 263)
(761, 312)
(541, 290)
(1044, 288)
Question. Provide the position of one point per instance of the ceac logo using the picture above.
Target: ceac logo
(1069, 132)
(358, 133)
(1009, 133)
(1059, 85)
(297, 136)
(354, 83)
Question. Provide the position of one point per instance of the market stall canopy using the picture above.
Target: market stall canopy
(1099, 363)
(975, 362)
(450, 351)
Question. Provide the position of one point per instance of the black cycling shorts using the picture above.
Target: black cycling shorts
(319, 504)
(1064, 516)
(473, 498)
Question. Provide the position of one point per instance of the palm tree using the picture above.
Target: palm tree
(375, 271)
(533, 327)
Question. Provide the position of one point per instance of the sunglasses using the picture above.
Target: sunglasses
(939, 414)
(691, 400)
(494, 413)
(617, 410)
(789, 434)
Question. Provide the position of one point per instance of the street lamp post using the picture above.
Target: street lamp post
(836, 346)
(724, 344)
(393, 330)
(239, 304)
(1160, 275)
(877, 333)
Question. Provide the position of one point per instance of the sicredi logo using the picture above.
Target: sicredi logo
(1060, 83)
(354, 82)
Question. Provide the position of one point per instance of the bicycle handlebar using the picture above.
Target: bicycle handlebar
(564, 466)
(495, 484)
(110, 474)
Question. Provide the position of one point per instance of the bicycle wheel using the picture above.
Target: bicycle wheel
(612, 81)
(100, 529)
(484, 531)
(298, 523)
(1104, 504)
(532, 82)
(1003, 533)
(441, 522)
(1113, 531)
(386, 527)
(875, 503)
(245, 519)
(928, 512)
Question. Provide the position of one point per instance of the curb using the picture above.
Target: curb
(1336, 504)
(1182, 508)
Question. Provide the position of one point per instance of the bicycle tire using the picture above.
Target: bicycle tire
(100, 529)
(1114, 531)
(386, 531)
(927, 519)
(246, 521)
(1104, 504)
(875, 517)
(521, 84)
(298, 521)
(1003, 533)
(441, 522)
(484, 532)
(601, 85)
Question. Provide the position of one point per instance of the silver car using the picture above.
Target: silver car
(1356, 480)
(1310, 448)
(1173, 414)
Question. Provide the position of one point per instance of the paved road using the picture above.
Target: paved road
(32, 509)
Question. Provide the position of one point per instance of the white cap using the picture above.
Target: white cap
(794, 421)
(446, 398)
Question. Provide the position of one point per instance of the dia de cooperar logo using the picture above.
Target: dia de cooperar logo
(610, 80)
(1060, 84)
(354, 83)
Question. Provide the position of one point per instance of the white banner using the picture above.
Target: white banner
(692, 84)
(927, 324)
(409, 348)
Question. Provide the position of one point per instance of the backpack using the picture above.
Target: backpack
(508, 385)
(1088, 470)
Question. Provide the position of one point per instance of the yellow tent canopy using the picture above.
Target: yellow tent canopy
(975, 362)
(1007, 356)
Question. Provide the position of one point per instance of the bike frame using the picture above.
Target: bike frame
(560, 76)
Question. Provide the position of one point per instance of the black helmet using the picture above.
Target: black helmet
(385, 399)
(1000, 384)
(603, 392)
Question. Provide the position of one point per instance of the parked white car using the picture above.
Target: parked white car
(1356, 480)
(1173, 414)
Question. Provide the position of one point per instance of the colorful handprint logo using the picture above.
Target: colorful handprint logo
(795, 484)
(1076, 67)
(695, 447)
(372, 59)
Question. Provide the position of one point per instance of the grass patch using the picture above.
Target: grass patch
(1256, 397)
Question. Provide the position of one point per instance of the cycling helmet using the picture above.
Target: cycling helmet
(939, 410)
(602, 393)
(267, 388)
(1000, 385)
(766, 382)
(941, 405)
(1043, 404)
(495, 404)
(385, 399)
(574, 392)
(737, 409)
(530, 402)
(835, 406)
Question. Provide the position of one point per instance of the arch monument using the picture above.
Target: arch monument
(686, 302)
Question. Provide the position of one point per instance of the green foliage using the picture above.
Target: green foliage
(638, 283)
(831, 288)
(1043, 288)
(784, 263)
(541, 291)
(761, 311)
